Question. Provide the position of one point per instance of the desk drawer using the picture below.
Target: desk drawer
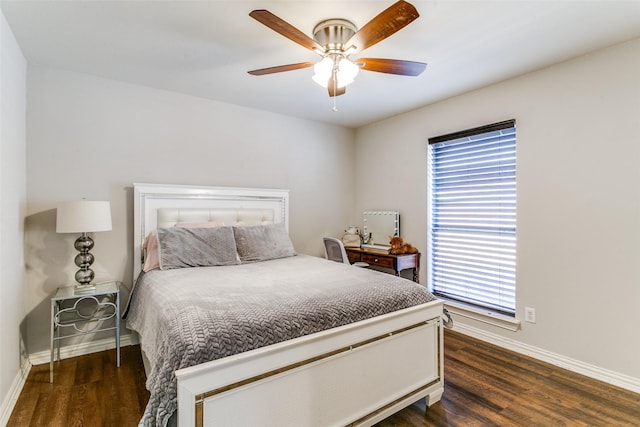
(379, 261)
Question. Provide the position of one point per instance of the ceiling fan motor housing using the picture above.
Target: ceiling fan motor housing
(332, 34)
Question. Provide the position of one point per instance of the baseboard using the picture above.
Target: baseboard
(14, 392)
(573, 365)
(81, 349)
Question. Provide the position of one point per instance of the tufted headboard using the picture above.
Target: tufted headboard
(159, 205)
(170, 217)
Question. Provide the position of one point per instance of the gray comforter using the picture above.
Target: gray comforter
(193, 315)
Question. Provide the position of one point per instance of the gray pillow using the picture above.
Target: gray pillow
(263, 242)
(196, 247)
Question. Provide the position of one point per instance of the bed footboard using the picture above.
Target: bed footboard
(353, 375)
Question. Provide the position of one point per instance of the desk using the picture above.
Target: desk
(397, 263)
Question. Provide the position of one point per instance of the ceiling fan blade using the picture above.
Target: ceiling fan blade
(391, 66)
(394, 18)
(333, 88)
(281, 68)
(283, 27)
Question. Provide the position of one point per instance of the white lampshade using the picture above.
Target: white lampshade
(83, 217)
(347, 72)
(322, 71)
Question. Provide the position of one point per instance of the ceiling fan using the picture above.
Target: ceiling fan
(337, 39)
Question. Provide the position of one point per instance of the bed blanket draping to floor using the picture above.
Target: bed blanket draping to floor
(193, 315)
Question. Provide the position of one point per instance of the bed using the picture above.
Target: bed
(281, 339)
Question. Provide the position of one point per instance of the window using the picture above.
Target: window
(472, 217)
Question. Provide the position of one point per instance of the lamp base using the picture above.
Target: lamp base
(84, 259)
(84, 276)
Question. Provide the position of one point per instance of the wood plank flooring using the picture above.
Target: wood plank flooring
(484, 386)
(87, 391)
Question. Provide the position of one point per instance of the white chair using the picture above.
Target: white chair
(334, 251)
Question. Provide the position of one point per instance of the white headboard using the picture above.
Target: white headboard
(161, 205)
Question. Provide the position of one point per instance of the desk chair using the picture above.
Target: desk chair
(334, 251)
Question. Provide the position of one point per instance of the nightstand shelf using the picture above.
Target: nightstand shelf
(77, 319)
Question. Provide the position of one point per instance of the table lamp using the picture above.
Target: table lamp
(83, 217)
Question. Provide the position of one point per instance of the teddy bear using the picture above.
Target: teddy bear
(399, 247)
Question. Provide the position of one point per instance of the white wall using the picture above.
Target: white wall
(578, 189)
(13, 93)
(92, 137)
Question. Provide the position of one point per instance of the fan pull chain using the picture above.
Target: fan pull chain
(334, 80)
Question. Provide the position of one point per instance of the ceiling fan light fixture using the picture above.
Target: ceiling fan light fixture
(322, 71)
(347, 72)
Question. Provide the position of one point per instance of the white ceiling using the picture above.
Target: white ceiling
(205, 48)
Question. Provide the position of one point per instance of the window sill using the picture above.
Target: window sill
(482, 315)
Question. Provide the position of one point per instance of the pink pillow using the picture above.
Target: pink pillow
(151, 259)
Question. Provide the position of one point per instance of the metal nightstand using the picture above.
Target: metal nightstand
(106, 298)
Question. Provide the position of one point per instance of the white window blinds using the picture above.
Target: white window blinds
(472, 216)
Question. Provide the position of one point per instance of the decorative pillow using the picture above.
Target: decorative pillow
(180, 247)
(263, 242)
(151, 260)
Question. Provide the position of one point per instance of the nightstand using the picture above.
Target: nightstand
(84, 312)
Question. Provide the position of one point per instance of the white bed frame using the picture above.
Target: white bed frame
(353, 375)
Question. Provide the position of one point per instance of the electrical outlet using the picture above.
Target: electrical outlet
(530, 315)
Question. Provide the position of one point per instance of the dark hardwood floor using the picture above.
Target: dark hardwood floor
(485, 386)
(87, 391)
